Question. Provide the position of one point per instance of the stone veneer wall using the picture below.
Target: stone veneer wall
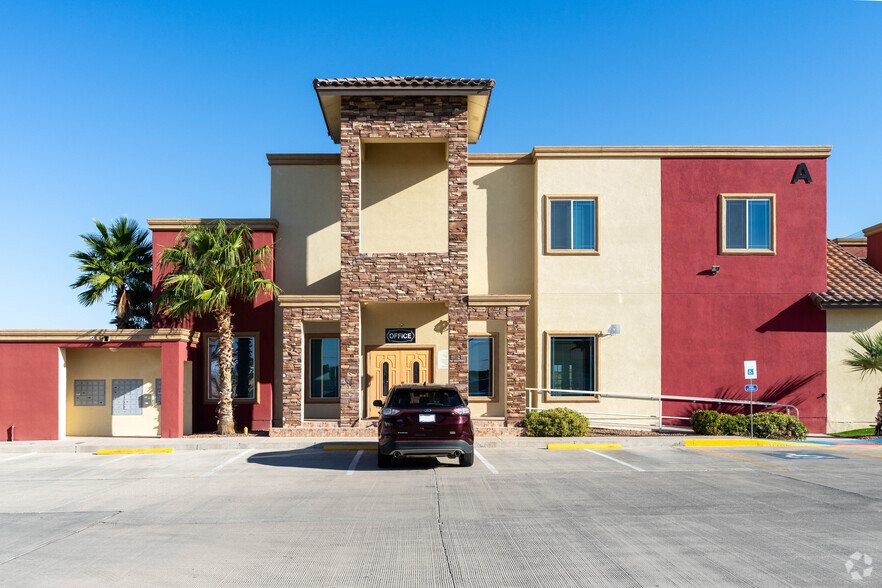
(515, 318)
(293, 356)
(405, 277)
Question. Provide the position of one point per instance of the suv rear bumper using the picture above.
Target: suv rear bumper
(428, 448)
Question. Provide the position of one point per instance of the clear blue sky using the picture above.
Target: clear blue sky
(167, 109)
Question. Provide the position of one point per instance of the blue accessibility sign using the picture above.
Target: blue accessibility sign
(750, 388)
(802, 455)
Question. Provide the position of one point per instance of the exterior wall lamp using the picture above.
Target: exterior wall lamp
(715, 269)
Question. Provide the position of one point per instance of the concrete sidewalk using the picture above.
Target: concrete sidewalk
(93, 444)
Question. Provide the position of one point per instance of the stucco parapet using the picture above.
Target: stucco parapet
(308, 300)
(686, 152)
(303, 159)
(871, 230)
(98, 335)
(499, 299)
(853, 241)
(178, 224)
(500, 158)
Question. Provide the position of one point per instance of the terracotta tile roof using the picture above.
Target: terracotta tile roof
(405, 82)
(850, 281)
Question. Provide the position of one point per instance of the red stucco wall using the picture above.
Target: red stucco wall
(29, 390)
(756, 307)
(874, 250)
(257, 317)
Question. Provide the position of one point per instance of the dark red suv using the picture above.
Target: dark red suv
(425, 420)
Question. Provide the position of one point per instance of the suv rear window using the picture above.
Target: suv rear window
(425, 398)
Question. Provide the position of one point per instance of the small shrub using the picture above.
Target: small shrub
(557, 422)
(777, 425)
(766, 425)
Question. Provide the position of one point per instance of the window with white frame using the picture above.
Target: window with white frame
(572, 224)
(481, 367)
(243, 374)
(324, 368)
(572, 365)
(747, 223)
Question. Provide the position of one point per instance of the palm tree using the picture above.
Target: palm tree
(208, 268)
(118, 259)
(867, 360)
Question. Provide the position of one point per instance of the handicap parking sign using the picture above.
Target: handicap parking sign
(803, 455)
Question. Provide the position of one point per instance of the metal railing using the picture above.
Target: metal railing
(654, 397)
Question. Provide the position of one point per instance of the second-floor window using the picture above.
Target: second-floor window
(572, 224)
(747, 223)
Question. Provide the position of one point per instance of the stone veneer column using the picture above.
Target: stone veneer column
(516, 365)
(292, 367)
(401, 277)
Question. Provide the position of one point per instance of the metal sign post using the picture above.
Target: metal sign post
(750, 374)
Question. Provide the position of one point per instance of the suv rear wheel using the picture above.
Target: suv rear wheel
(466, 459)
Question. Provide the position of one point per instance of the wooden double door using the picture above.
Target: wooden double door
(387, 367)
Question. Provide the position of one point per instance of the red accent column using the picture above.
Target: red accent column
(173, 356)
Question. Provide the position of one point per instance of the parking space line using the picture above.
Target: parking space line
(95, 467)
(615, 460)
(20, 455)
(740, 458)
(226, 463)
(354, 462)
(486, 463)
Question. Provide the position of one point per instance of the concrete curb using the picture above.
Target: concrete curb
(94, 444)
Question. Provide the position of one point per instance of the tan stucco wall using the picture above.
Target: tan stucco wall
(404, 198)
(306, 201)
(104, 364)
(851, 402)
(622, 285)
(501, 229)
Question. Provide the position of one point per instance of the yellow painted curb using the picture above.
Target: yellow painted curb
(347, 447)
(745, 443)
(142, 450)
(584, 446)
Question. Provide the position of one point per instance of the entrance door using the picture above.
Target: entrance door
(388, 367)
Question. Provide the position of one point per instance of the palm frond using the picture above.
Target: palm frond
(867, 357)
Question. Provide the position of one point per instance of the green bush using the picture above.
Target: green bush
(777, 425)
(557, 422)
(766, 425)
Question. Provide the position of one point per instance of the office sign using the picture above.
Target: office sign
(400, 335)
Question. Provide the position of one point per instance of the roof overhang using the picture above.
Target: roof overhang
(827, 304)
(330, 99)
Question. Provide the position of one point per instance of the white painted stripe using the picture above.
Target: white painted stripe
(486, 463)
(95, 467)
(354, 463)
(615, 460)
(18, 456)
(226, 463)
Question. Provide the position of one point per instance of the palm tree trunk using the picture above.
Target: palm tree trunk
(225, 424)
(122, 308)
(879, 414)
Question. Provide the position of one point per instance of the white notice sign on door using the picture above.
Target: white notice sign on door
(443, 359)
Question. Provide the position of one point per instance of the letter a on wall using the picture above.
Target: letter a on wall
(801, 173)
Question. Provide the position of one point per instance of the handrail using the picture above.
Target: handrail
(659, 397)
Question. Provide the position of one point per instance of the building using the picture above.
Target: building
(594, 270)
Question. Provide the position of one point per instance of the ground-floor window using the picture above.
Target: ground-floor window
(243, 373)
(481, 367)
(572, 364)
(324, 367)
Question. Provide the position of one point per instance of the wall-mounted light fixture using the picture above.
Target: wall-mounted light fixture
(715, 269)
(614, 330)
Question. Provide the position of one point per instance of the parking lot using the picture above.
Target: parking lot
(673, 516)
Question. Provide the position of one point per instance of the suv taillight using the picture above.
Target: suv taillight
(390, 411)
(462, 410)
